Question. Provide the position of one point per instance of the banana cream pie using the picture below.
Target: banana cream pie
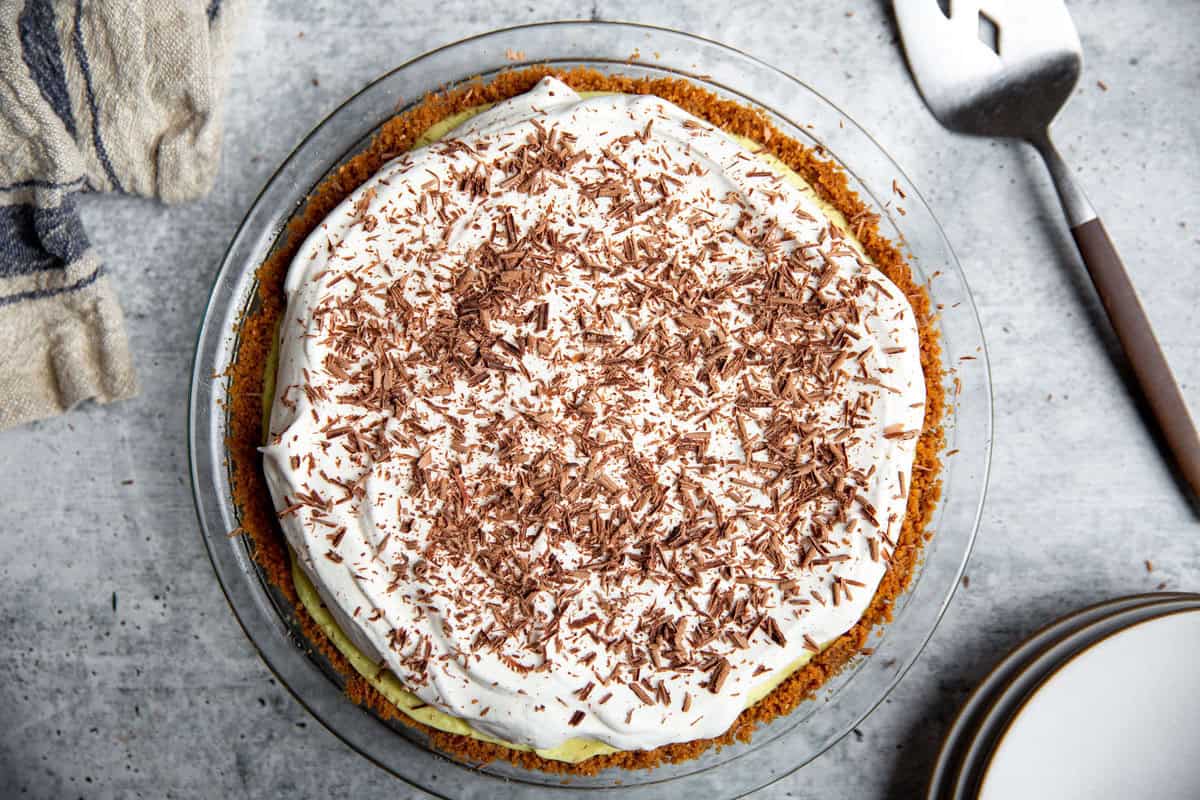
(593, 424)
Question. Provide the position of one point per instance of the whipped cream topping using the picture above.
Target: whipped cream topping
(587, 421)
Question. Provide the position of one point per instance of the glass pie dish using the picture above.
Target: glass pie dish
(786, 743)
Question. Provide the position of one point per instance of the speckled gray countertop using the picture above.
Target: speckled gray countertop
(125, 675)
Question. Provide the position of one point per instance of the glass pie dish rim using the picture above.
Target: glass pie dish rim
(261, 612)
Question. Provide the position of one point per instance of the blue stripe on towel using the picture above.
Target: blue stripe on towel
(39, 294)
(38, 34)
(37, 239)
(81, 55)
(37, 183)
(214, 8)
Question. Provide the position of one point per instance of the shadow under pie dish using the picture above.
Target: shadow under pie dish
(594, 421)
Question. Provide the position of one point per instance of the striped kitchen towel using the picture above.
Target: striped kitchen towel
(97, 96)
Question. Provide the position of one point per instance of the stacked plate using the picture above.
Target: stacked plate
(1104, 703)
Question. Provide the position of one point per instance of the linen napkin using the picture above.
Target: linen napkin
(97, 96)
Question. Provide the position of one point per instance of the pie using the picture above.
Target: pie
(587, 421)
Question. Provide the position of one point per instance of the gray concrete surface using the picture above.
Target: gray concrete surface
(122, 672)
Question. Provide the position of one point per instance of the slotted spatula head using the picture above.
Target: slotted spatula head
(991, 67)
(1005, 68)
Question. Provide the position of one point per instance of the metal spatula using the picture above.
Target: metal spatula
(1005, 68)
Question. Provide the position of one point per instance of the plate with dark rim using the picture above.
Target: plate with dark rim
(975, 731)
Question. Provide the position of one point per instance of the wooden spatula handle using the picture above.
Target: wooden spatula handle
(1145, 356)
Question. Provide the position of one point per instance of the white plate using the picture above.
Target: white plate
(1120, 719)
(1003, 693)
(1026, 678)
(984, 704)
